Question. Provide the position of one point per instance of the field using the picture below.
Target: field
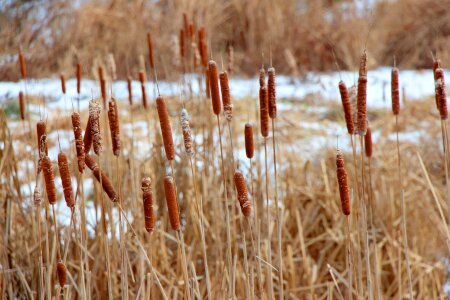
(191, 167)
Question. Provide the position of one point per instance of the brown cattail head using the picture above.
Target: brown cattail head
(363, 64)
(271, 89)
(395, 92)
(144, 94)
(187, 136)
(182, 43)
(248, 133)
(41, 138)
(166, 128)
(94, 117)
(346, 105)
(78, 73)
(342, 182)
(226, 98)
(79, 144)
(23, 66)
(172, 204)
(441, 94)
(63, 83)
(262, 77)
(87, 139)
(22, 106)
(362, 105)
(368, 142)
(66, 180)
(150, 49)
(242, 193)
(101, 177)
(49, 179)
(214, 86)
(61, 271)
(147, 198)
(130, 91)
(113, 118)
(264, 111)
(100, 74)
(37, 198)
(436, 65)
(103, 91)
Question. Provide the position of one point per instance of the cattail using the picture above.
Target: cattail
(201, 39)
(61, 271)
(23, 67)
(272, 93)
(22, 106)
(94, 116)
(362, 105)
(63, 83)
(144, 95)
(150, 50)
(208, 88)
(347, 107)
(41, 134)
(130, 91)
(264, 111)
(182, 43)
(441, 94)
(113, 118)
(147, 198)
(226, 99)
(87, 139)
(242, 193)
(103, 91)
(79, 143)
(343, 184)
(49, 179)
(185, 23)
(395, 92)
(100, 74)
(363, 64)
(248, 133)
(436, 65)
(214, 86)
(37, 198)
(166, 129)
(187, 136)
(102, 177)
(262, 77)
(192, 32)
(66, 180)
(368, 142)
(172, 204)
(78, 73)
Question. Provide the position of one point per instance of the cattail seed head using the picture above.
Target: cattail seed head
(264, 111)
(79, 144)
(100, 73)
(144, 94)
(113, 118)
(49, 179)
(94, 117)
(130, 91)
(150, 50)
(362, 105)
(41, 137)
(226, 98)
(441, 94)
(395, 92)
(342, 182)
(66, 180)
(271, 89)
(102, 177)
(63, 83)
(172, 204)
(37, 197)
(103, 91)
(346, 105)
(166, 128)
(363, 64)
(187, 136)
(147, 197)
(242, 193)
(23, 66)
(248, 133)
(262, 77)
(368, 142)
(214, 86)
(22, 106)
(78, 74)
(87, 139)
(436, 65)
(61, 271)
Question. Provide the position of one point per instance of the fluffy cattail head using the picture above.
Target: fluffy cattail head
(22, 106)
(78, 74)
(63, 83)
(248, 133)
(226, 98)
(368, 142)
(362, 105)
(441, 94)
(264, 111)
(242, 193)
(342, 182)
(166, 128)
(346, 105)
(262, 77)
(61, 271)
(113, 118)
(66, 180)
(79, 144)
(49, 179)
(102, 177)
(147, 198)
(363, 64)
(23, 67)
(94, 117)
(150, 49)
(130, 90)
(41, 138)
(395, 92)
(187, 136)
(271, 89)
(37, 198)
(172, 204)
(214, 86)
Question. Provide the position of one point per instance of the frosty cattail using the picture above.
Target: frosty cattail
(113, 118)
(130, 90)
(144, 94)
(264, 111)
(271, 90)
(94, 116)
(342, 182)
(150, 50)
(49, 179)
(166, 129)
(226, 99)
(63, 83)
(242, 193)
(147, 198)
(368, 142)
(66, 180)
(78, 74)
(346, 105)
(41, 132)
(395, 92)
(101, 176)
(23, 67)
(61, 271)
(37, 197)
(248, 133)
(182, 43)
(87, 139)
(22, 106)
(262, 77)
(172, 204)
(362, 105)
(214, 86)
(187, 136)
(441, 94)
(79, 143)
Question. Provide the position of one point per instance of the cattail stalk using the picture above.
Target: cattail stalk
(102, 178)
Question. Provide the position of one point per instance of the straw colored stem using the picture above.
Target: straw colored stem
(269, 248)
